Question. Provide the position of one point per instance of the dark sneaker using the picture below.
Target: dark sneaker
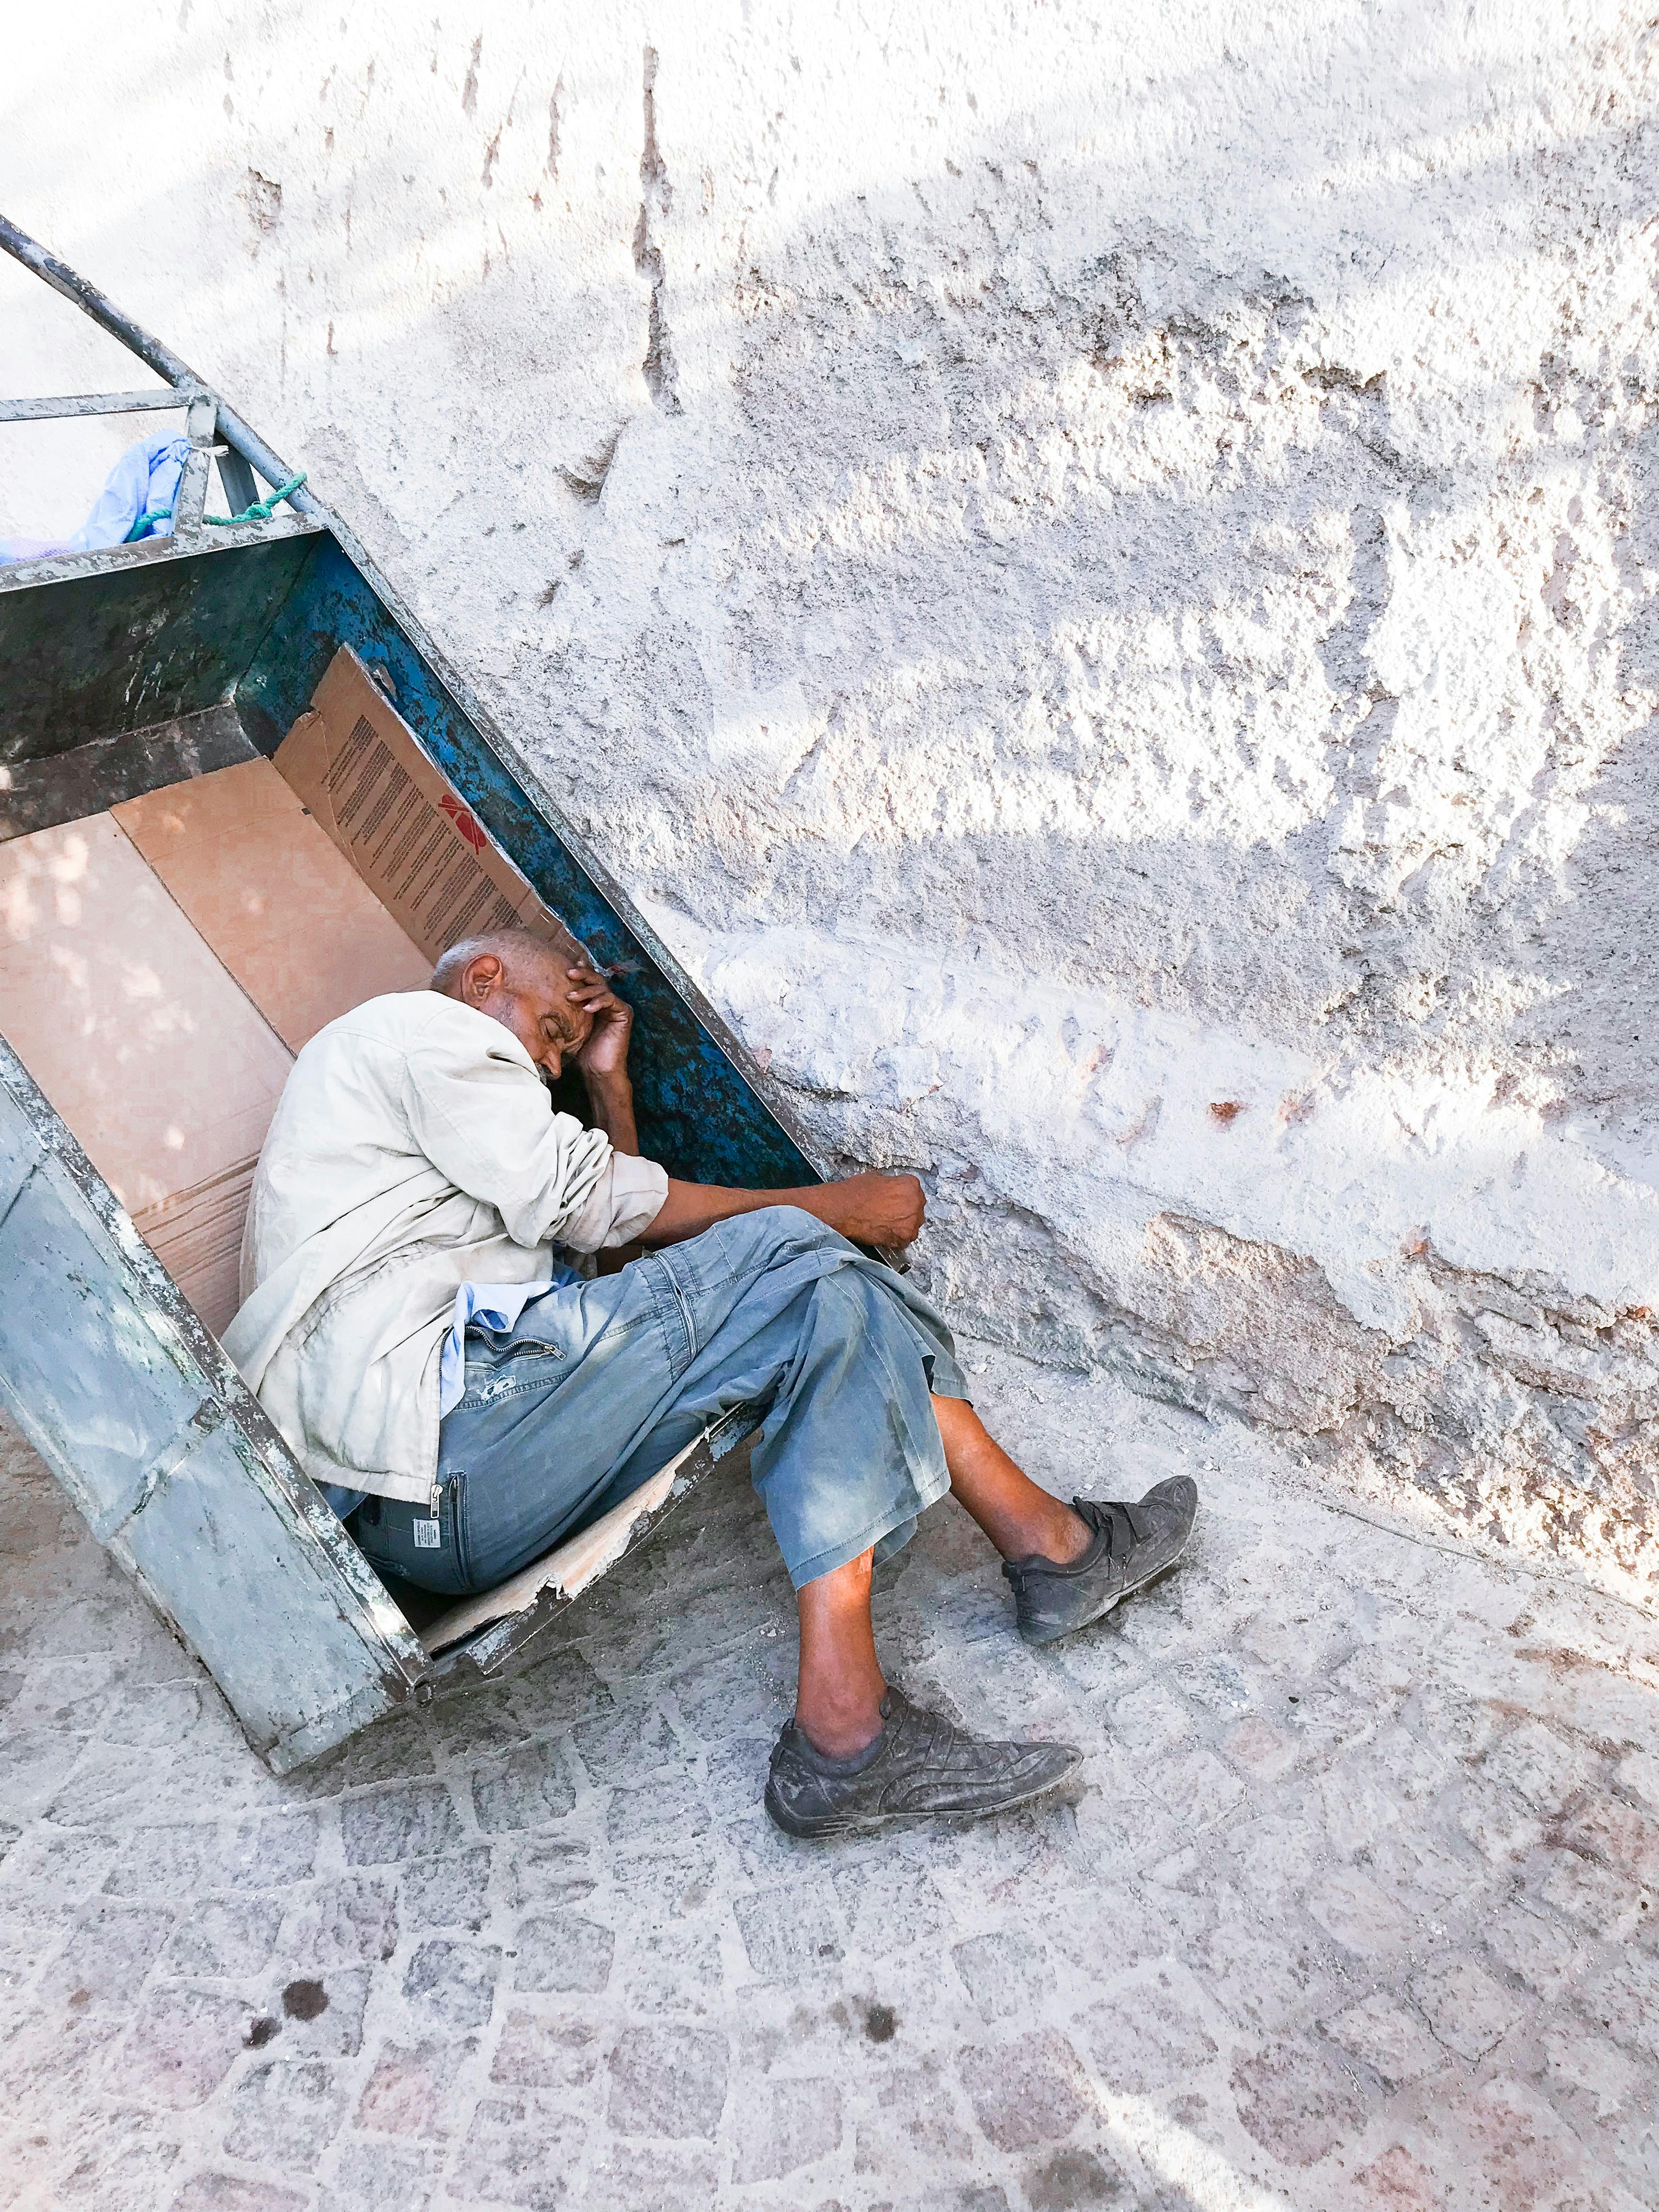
(1133, 1545)
(919, 1768)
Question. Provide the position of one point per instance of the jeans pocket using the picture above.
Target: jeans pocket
(520, 1366)
(485, 1350)
(401, 1538)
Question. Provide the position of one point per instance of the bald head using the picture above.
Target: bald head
(519, 980)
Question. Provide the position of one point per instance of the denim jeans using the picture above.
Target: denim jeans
(602, 1382)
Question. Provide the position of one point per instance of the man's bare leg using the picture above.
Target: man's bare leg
(840, 1686)
(917, 1764)
(840, 1690)
(1020, 1517)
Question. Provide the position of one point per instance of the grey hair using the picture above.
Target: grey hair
(510, 946)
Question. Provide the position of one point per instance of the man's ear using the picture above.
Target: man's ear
(480, 978)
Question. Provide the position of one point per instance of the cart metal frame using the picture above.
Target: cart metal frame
(167, 658)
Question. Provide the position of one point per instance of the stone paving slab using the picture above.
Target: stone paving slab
(1356, 1908)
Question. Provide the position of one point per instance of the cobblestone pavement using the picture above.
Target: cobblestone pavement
(1359, 1906)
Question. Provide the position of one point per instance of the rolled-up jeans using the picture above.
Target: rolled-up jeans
(601, 1383)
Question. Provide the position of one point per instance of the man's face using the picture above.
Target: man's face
(534, 1002)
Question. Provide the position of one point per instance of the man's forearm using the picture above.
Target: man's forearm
(611, 1098)
(691, 1207)
(870, 1209)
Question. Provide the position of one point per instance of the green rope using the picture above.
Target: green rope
(259, 512)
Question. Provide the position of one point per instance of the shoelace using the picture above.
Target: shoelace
(942, 1743)
(1094, 1515)
(1101, 1517)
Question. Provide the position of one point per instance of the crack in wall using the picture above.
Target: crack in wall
(656, 202)
(585, 475)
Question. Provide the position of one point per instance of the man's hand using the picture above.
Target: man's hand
(871, 1208)
(604, 1059)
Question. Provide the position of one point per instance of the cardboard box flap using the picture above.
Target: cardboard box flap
(359, 768)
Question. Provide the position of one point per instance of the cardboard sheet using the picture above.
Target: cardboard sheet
(198, 1237)
(159, 965)
(359, 768)
(279, 905)
(160, 1065)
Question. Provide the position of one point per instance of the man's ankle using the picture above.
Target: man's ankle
(1072, 1539)
(838, 1737)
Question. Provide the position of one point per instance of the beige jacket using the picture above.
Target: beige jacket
(413, 1150)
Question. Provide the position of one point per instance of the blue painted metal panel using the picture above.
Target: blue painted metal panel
(97, 655)
(173, 1463)
(101, 1391)
(698, 1113)
(218, 1548)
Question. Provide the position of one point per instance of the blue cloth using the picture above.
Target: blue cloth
(144, 481)
(598, 1383)
(341, 1501)
(494, 1307)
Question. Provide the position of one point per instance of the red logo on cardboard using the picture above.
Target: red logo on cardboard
(463, 821)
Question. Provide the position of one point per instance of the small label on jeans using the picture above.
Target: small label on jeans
(428, 1536)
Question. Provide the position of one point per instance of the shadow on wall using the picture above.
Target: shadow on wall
(1233, 641)
(1099, 572)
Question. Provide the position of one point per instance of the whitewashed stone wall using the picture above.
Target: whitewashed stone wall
(1092, 570)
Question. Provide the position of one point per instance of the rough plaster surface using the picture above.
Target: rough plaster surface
(1094, 572)
(1356, 1908)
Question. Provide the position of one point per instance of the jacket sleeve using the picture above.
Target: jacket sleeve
(478, 1111)
(626, 1199)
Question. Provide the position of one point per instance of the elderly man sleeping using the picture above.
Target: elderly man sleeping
(466, 1401)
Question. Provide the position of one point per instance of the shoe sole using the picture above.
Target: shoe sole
(868, 1823)
(1130, 1589)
